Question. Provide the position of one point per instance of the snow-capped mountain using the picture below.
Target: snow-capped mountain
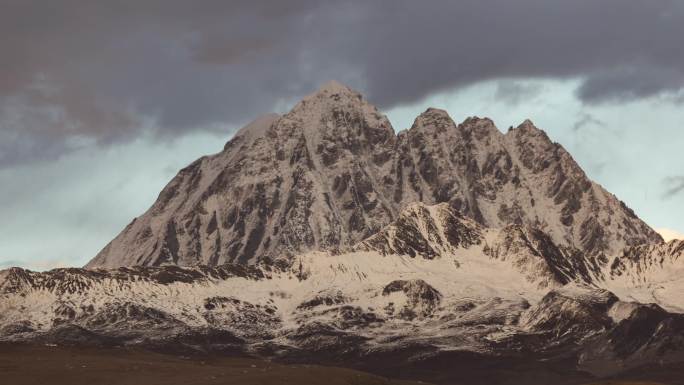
(332, 172)
(428, 284)
(323, 236)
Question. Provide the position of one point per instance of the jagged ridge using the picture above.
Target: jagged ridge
(332, 172)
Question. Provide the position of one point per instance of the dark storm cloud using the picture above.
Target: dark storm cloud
(631, 83)
(76, 72)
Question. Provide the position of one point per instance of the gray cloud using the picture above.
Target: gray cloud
(514, 93)
(633, 82)
(585, 120)
(77, 72)
(674, 186)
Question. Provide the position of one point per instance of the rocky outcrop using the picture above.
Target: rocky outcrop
(439, 231)
(421, 298)
(571, 312)
(425, 231)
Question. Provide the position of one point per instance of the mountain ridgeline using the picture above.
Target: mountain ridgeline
(333, 172)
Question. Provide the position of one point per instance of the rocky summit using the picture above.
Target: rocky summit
(333, 172)
(443, 253)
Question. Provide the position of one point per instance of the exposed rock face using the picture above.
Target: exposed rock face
(424, 231)
(641, 264)
(647, 273)
(332, 172)
(421, 298)
(574, 312)
(535, 253)
(439, 231)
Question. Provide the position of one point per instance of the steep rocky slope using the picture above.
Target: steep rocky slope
(332, 172)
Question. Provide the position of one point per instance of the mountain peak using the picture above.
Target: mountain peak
(333, 86)
(332, 172)
(483, 127)
(435, 115)
(433, 119)
(527, 123)
(333, 90)
(527, 132)
(432, 111)
(331, 96)
(527, 127)
(258, 126)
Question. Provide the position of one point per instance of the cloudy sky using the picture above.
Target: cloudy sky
(101, 102)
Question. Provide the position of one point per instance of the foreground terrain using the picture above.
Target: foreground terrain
(41, 365)
(53, 365)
